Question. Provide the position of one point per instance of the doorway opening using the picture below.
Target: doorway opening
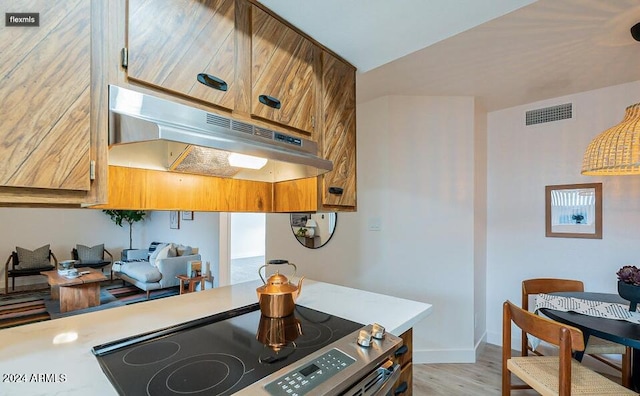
(247, 246)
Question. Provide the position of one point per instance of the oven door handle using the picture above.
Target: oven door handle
(379, 382)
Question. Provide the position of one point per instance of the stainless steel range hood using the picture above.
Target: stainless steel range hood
(153, 133)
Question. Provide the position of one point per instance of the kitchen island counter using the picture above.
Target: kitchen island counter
(54, 357)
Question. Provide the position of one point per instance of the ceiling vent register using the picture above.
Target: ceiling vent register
(549, 114)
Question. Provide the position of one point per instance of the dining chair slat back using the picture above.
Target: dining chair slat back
(544, 285)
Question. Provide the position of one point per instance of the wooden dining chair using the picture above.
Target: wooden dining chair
(595, 346)
(550, 375)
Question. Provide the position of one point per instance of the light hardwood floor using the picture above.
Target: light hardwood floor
(482, 378)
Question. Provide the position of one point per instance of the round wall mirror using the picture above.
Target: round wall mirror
(313, 230)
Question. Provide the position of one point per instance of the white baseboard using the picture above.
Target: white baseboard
(496, 338)
(448, 355)
(444, 356)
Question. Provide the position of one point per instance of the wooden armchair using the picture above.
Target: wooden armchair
(595, 346)
(550, 375)
(96, 262)
(13, 269)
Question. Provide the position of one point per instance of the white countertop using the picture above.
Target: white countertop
(31, 354)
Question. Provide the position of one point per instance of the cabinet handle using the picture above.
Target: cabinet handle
(269, 101)
(336, 190)
(212, 81)
(401, 351)
(401, 388)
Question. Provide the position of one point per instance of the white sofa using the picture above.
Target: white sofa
(159, 271)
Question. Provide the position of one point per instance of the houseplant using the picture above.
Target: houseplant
(629, 285)
(128, 216)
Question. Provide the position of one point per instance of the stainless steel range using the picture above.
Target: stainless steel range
(242, 351)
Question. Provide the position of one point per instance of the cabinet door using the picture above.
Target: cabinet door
(45, 91)
(184, 46)
(339, 138)
(404, 357)
(404, 385)
(282, 73)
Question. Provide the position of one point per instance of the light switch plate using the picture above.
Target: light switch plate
(374, 224)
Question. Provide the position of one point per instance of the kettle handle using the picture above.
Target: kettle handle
(278, 261)
(265, 272)
(275, 262)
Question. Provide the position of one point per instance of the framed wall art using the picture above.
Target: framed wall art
(187, 215)
(574, 210)
(299, 219)
(174, 220)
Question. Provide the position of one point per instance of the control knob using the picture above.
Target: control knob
(377, 331)
(364, 338)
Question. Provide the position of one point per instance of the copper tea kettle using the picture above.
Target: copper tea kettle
(277, 297)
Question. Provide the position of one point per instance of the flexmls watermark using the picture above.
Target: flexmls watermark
(22, 19)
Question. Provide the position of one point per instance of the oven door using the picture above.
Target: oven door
(378, 383)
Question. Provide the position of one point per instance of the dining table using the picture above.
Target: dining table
(618, 331)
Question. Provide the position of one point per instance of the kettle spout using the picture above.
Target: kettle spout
(297, 293)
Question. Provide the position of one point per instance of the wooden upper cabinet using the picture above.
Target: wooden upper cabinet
(184, 46)
(45, 97)
(283, 73)
(339, 131)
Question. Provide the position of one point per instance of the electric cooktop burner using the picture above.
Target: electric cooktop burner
(217, 355)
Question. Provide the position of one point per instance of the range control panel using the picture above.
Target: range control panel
(307, 377)
(333, 369)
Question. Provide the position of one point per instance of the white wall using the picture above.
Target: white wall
(428, 190)
(416, 177)
(480, 225)
(64, 228)
(522, 161)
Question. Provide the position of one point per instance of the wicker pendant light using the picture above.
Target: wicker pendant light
(616, 151)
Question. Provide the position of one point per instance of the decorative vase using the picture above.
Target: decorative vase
(629, 292)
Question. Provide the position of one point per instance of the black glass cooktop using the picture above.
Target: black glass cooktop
(219, 354)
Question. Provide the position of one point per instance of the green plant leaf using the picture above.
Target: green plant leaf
(128, 216)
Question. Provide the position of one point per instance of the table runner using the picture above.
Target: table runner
(587, 307)
(598, 309)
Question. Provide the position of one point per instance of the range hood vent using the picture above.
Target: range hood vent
(153, 133)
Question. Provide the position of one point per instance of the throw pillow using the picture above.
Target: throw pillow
(154, 254)
(90, 255)
(184, 250)
(28, 259)
(162, 254)
(173, 250)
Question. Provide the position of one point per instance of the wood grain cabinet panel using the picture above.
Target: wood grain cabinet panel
(144, 189)
(46, 97)
(171, 42)
(295, 196)
(404, 385)
(282, 68)
(305, 89)
(339, 131)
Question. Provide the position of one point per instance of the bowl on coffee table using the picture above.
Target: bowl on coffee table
(67, 264)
